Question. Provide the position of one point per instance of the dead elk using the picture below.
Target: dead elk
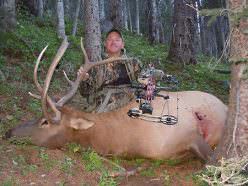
(201, 122)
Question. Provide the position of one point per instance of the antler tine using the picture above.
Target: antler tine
(50, 72)
(38, 86)
(86, 67)
(67, 78)
(36, 70)
(86, 58)
(34, 95)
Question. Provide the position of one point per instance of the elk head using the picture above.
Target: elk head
(74, 84)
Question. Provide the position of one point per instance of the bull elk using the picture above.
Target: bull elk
(201, 122)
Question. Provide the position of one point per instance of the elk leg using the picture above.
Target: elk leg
(126, 173)
(122, 171)
(201, 148)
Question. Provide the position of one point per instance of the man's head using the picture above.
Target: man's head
(114, 43)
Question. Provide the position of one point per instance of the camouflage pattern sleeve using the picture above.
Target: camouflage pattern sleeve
(111, 74)
(133, 67)
(87, 87)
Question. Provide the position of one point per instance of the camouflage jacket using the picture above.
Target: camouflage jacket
(106, 88)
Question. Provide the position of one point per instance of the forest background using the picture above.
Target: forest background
(197, 52)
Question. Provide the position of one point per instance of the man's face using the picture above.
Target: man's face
(114, 44)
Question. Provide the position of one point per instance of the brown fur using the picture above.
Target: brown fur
(201, 119)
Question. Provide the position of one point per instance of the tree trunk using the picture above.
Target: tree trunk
(152, 6)
(129, 16)
(208, 42)
(137, 23)
(40, 8)
(92, 30)
(125, 14)
(235, 139)
(116, 13)
(67, 5)
(61, 19)
(93, 37)
(161, 34)
(75, 22)
(222, 33)
(167, 23)
(184, 19)
(160, 29)
(102, 9)
(29, 6)
(7, 15)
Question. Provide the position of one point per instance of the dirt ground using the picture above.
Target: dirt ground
(24, 164)
(30, 165)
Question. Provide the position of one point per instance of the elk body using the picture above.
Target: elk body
(201, 119)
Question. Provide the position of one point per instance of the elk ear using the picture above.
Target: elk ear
(81, 124)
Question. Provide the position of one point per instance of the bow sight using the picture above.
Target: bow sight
(146, 92)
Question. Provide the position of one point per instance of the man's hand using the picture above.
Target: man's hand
(81, 71)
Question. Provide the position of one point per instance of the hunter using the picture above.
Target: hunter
(108, 87)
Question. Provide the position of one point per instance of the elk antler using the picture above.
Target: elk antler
(74, 85)
(86, 67)
(50, 72)
(40, 89)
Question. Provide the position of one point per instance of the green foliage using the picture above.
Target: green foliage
(228, 172)
(202, 76)
(34, 105)
(21, 49)
(212, 13)
(105, 180)
(197, 180)
(2, 61)
(139, 161)
(245, 73)
(235, 17)
(173, 162)
(67, 165)
(10, 181)
(46, 160)
(24, 141)
(74, 148)
(149, 172)
(7, 89)
(92, 160)
(157, 163)
(21, 163)
(139, 47)
(43, 155)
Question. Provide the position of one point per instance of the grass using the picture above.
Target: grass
(48, 162)
(67, 165)
(139, 47)
(92, 160)
(149, 172)
(74, 148)
(10, 181)
(18, 52)
(22, 142)
(21, 163)
(105, 180)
